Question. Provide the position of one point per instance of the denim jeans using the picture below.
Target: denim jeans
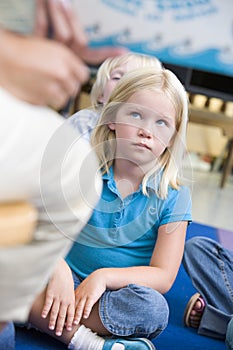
(7, 337)
(210, 267)
(229, 335)
(132, 311)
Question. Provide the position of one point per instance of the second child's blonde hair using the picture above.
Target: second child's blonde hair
(167, 166)
(104, 72)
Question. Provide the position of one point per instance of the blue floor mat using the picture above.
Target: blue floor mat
(175, 336)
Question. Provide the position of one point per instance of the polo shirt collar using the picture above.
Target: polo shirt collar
(150, 184)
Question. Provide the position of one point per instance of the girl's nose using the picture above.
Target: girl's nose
(145, 133)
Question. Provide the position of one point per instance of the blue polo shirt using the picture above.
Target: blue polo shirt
(123, 232)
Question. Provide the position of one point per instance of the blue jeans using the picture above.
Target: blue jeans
(210, 268)
(7, 337)
(229, 335)
(133, 311)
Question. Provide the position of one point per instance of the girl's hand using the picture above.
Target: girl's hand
(60, 299)
(88, 293)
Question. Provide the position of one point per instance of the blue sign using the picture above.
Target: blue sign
(190, 33)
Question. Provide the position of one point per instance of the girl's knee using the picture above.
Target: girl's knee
(153, 306)
(134, 311)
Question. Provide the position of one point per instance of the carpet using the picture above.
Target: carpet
(175, 336)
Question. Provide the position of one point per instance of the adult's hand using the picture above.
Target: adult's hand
(39, 70)
(56, 18)
(59, 16)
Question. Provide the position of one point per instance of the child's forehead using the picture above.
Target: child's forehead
(151, 93)
(151, 100)
(133, 62)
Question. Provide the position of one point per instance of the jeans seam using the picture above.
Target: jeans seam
(224, 273)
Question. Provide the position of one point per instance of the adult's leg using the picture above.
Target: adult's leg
(229, 335)
(42, 160)
(209, 265)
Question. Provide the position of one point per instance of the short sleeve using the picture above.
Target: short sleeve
(177, 206)
(84, 121)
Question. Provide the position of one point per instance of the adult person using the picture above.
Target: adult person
(37, 72)
(210, 310)
(42, 160)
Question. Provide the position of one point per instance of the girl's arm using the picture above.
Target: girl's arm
(160, 275)
(164, 264)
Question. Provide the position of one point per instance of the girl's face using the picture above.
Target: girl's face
(144, 127)
(115, 75)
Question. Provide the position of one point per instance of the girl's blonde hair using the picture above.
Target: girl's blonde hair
(167, 166)
(104, 72)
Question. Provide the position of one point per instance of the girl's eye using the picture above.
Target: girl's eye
(116, 77)
(135, 115)
(161, 122)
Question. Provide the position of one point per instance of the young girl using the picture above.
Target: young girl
(108, 75)
(129, 253)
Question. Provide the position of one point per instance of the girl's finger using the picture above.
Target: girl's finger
(47, 306)
(70, 317)
(87, 308)
(61, 318)
(53, 315)
(79, 311)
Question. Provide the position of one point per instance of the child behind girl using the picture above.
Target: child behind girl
(129, 253)
(108, 75)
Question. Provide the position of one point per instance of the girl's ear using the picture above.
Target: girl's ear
(111, 126)
(101, 99)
